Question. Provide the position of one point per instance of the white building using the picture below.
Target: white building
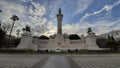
(114, 33)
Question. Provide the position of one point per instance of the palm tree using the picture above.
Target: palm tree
(14, 18)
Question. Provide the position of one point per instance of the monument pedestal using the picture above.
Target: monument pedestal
(91, 42)
(26, 43)
(56, 44)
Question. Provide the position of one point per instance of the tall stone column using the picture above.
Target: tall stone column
(59, 19)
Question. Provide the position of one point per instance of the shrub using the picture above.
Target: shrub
(46, 51)
(101, 42)
(74, 37)
(76, 50)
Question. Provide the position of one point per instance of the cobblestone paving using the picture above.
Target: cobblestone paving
(58, 61)
(98, 61)
(6, 62)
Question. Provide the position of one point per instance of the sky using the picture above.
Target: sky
(102, 15)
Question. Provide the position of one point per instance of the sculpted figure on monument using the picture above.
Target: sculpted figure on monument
(28, 28)
(89, 30)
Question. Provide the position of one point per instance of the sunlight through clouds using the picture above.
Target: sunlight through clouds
(41, 15)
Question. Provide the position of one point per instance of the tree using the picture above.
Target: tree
(14, 18)
(18, 32)
(108, 43)
(109, 37)
(2, 36)
(2, 33)
(74, 37)
(5, 27)
(43, 37)
(112, 38)
(101, 42)
(111, 44)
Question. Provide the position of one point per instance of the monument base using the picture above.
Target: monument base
(26, 44)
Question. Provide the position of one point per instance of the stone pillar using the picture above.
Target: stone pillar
(26, 42)
(59, 19)
(91, 42)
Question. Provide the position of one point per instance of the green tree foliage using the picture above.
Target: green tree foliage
(18, 32)
(14, 18)
(15, 42)
(44, 37)
(74, 37)
(101, 42)
(108, 43)
(2, 36)
(12, 42)
(111, 44)
(35, 37)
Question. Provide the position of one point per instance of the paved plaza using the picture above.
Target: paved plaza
(59, 61)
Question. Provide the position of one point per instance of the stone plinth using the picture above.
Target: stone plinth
(26, 43)
(91, 42)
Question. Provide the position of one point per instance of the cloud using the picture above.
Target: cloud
(108, 7)
(105, 8)
(76, 28)
(33, 17)
(39, 9)
(105, 26)
(35, 14)
(25, 0)
(98, 27)
(82, 5)
(36, 18)
(12, 8)
(52, 29)
(48, 29)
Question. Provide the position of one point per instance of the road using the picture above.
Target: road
(59, 61)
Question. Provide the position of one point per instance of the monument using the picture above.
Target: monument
(59, 19)
(59, 42)
(26, 40)
(59, 38)
(91, 40)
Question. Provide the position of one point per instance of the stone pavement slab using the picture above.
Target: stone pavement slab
(59, 61)
(98, 62)
(18, 62)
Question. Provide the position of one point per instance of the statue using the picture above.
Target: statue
(23, 29)
(27, 28)
(89, 30)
